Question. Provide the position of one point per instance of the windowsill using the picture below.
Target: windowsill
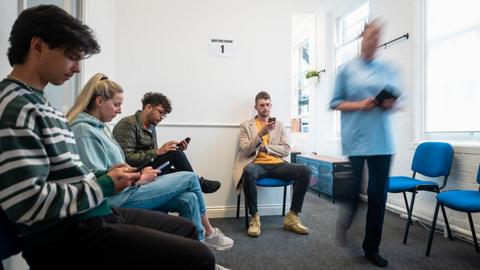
(462, 147)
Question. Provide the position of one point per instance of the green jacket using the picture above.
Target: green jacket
(137, 142)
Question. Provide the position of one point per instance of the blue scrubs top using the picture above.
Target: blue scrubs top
(365, 133)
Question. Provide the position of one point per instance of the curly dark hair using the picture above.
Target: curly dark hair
(156, 99)
(53, 26)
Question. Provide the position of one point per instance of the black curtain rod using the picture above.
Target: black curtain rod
(384, 45)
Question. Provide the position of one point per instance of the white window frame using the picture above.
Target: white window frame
(336, 114)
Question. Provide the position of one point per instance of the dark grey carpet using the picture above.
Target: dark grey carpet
(277, 249)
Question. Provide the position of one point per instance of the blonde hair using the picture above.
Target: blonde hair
(98, 86)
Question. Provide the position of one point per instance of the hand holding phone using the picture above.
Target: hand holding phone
(271, 123)
(184, 146)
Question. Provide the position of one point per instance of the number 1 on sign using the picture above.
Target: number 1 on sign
(223, 48)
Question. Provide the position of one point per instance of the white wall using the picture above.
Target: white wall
(163, 46)
(101, 16)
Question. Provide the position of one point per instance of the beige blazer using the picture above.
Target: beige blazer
(249, 143)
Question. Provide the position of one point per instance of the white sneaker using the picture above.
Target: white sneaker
(218, 241)
(219, 267)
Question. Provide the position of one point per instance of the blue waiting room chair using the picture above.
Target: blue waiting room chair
(9, 243)
(432, 159)
(266, 182)
(460, 200)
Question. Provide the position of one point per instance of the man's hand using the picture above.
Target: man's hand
(262, 148)
(123, 176)
(167, 147)
(183, 145)
(266, 129)
(148, 175)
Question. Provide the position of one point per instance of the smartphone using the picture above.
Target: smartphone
(187, 139)
(272, 120)
(165, 164)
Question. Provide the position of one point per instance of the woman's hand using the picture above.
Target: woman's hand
(148, 175)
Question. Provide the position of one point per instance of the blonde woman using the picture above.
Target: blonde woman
(98, 103)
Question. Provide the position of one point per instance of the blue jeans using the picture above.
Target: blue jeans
(176, 192)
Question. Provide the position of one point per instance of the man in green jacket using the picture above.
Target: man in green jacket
(56, 205)
(137, 136)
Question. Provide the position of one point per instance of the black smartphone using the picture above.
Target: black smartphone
(165, 164)
(187, 139)
(384, 94)
(272, 120)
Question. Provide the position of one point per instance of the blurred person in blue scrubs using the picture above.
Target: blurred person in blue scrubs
(367, 134)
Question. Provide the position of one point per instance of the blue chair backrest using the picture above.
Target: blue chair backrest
(9, 242)
(478, 175)
(433, 159)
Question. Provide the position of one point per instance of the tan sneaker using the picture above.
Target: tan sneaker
(293, 223)
(254, 228)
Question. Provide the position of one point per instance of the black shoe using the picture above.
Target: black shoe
(377, 260)
(209, 186)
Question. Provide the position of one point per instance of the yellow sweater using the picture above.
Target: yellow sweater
(262, 157)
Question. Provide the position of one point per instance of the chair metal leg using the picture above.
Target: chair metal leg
(449, 232)
(472, 227)
(432, 230)
(238, 204)
(409, 220)
(406, 203)
(246, 213)
(284, 199)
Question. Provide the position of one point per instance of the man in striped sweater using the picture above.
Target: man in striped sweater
(56, 204)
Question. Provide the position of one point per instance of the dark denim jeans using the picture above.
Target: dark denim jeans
(285, 171)
(378, 171)
(177, 159)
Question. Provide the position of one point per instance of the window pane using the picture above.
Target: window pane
(301, 91)
(452, 57)
(348, 31)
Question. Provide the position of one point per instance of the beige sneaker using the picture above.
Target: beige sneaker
(254, 228)
(293, 223)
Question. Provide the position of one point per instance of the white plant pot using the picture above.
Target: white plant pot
(313, 80)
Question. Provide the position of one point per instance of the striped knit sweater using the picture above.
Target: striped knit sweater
(42, 180)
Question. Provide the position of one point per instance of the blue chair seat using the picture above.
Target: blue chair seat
(402, 183)
(273, 182)
(461, 200)
(266, 182)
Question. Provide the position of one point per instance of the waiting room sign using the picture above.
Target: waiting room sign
(221, 47)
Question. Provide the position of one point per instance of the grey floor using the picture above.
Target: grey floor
(280, 249)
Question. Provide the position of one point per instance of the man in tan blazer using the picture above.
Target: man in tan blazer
(263, 144)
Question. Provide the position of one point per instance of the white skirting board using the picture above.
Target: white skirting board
(231, 211)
